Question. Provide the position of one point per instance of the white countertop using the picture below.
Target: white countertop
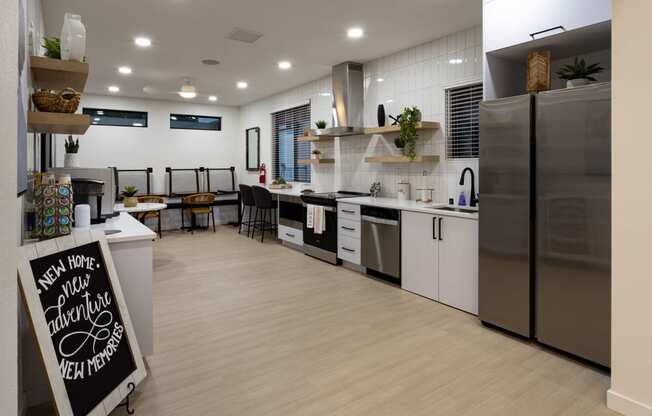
(130, 229)
(408, 206)
(141, 207)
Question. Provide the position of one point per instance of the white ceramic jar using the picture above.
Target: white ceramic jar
(73, 38)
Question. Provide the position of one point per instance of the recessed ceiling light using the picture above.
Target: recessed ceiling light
(455, 61)
(242, 85)
(114, 88)
(125, 70)
(285, 65)
(143, 42)
(380, 79)
(188, 91)
(212, 98)
(355, 32)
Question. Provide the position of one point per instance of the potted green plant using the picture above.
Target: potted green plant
(321, 124)
(316, 154)
(72, 147)
(579, 73)
(129, 199)
(407, 138)
(52, 47)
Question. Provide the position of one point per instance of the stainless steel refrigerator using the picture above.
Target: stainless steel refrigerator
(545, 223)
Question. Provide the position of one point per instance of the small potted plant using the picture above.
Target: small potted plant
(407, 138)
(579, 73)
(129, 199)
(316, 154)
(321, 124)
(72, 147)
(52, 47)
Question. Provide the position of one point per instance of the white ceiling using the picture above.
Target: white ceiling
(309, 33)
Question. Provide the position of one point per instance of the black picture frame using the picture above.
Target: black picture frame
(257, 132)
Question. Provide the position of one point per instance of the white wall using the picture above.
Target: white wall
(415, 76)
(631, 337)
(157, 146)
(8, 207)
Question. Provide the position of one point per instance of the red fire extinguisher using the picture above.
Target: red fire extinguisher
(262, 176)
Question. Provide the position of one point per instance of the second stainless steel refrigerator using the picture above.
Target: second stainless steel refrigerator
(545, 226)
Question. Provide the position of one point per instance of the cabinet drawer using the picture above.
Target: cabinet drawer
(348, 211)
(348, 228)
(348, 249)
(291, 235)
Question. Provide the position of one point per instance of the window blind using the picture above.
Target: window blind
(463, 121)
(286, 151)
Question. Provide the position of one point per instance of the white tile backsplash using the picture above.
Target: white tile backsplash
(416, 76)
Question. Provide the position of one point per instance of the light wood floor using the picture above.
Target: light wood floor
(244, 328)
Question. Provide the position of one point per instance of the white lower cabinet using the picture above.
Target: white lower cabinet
(348, 232)
(458, 263)
(291, 235)
(419, 263)
(440, 258)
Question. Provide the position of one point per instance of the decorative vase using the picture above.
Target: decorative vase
(577, 82)
(130, 201)
(73, 38)
(70, 160)
(381, 115)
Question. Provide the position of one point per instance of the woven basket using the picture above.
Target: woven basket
(66, 101)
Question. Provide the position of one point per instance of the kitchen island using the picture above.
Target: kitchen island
(130, 243)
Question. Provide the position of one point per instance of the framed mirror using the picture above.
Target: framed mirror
(253, 148)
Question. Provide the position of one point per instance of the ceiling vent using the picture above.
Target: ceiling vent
(244, 35)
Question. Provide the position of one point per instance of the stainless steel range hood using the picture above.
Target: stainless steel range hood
(348, 101)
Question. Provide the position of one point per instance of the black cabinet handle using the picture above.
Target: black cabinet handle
(348, 211)
(532, 35)
(348, 228)
(440, 237)
(348, 249)
(289, 235)
(434, 228)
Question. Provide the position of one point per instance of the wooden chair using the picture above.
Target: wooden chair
(151, 214)
(203, 205)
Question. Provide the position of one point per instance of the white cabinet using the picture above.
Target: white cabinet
(348, 232)
(458, 263)
(511, 22)
(419, 265)
(291, 235)
(440, 258)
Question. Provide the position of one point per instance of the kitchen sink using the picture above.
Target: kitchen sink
(456, 209)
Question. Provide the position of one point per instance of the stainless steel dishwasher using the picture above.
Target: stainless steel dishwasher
(381, 241)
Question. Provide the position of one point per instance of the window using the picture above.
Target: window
(463, 121)
(121, 118)
(286, 151)
(194, 122)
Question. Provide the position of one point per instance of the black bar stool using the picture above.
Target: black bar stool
(247, 197)
(265, 206)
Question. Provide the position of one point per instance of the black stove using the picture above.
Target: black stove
(329, 198)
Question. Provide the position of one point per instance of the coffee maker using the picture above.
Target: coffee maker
(93, 186)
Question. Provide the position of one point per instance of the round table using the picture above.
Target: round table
(141, 207)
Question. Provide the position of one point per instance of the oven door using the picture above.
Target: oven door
(327, 240)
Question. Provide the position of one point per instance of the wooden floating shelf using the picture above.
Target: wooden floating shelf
(315, 161)
(57, 123)
(424, 125)
(55, 74)
(313, 138)
(401, 159)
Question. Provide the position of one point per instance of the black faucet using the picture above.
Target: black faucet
(473, 201)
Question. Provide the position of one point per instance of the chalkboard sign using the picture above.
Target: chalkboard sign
(71, 287)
